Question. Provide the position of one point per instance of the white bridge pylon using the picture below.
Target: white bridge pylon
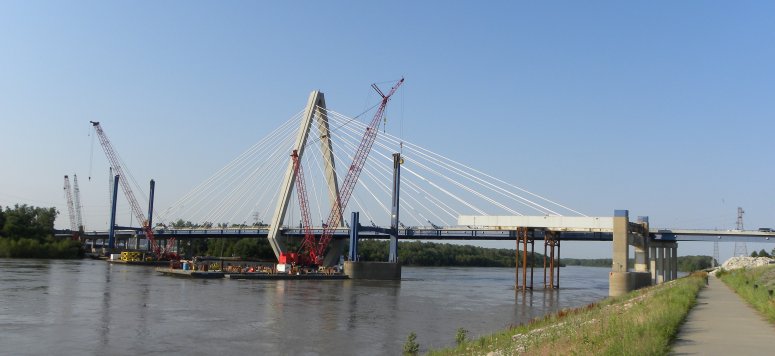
(315, 110)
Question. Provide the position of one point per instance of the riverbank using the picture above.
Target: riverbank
(40, 248)
(754, 285)
(643, 322)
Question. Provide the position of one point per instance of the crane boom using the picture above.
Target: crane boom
(130, 196)
(77, 204)
(308, 245)
(355, 170)
(70, 209)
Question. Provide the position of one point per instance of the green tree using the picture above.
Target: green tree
(764, 253)
(754, 254)
(25, 221)
(26, 232)
(2, 221)
(694, 263)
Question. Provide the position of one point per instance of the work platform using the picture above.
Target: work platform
(274, 277)
(176, 272)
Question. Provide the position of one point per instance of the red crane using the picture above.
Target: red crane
(308, 245)
(161, 253)
(317, 251)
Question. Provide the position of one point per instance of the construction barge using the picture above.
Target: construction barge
(135, 258)
(209, 268)
(176, 272)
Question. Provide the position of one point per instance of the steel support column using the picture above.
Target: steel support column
(394, 217)
(112, 233)
(522, 238)
(354, 226)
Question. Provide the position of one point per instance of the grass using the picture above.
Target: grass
(756, 286)
(643, 322)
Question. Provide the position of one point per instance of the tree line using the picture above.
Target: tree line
(26, 232)
(410, 253)
(685, 263)
(763, 253)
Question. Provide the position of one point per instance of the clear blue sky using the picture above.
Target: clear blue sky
(664, 108)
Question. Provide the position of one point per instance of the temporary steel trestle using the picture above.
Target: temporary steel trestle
(525, 236)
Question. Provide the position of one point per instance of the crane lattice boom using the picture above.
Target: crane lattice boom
(77, 204)
(70, 209)
(130, 196)
(301, 192)
(354, 171)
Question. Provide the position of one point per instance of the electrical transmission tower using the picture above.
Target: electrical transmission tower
(715, 254)
(740, 247)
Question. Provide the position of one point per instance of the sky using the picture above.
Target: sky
(663, 108)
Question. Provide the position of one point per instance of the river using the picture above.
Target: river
(76, 307)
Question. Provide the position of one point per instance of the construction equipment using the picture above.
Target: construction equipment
(160, 252)
(317, 251)
(308, 245)
(77, 205)
(70, 208)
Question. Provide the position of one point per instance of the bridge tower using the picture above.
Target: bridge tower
(315, 110)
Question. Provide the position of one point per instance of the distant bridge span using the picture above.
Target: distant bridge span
(472, 234)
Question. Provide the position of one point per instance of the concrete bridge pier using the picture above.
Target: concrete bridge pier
(621, 279)
(642, 250)
(368, 270)
(664, 261)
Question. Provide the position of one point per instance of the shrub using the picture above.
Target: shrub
(460, 336)
(411, 347)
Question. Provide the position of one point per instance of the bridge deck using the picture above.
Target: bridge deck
(483, 234)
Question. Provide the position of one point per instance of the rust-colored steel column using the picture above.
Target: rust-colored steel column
(516, 261)
(558, 264)
(532, 259)
(546, 241)
(551, 265)
(524, 259)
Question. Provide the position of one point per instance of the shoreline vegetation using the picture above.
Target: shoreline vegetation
(642, 322)
(755, 285)
(685, 263)
(25, 232)
(411, 253)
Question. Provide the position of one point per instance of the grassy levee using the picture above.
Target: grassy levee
(643, 322)
(756, 286)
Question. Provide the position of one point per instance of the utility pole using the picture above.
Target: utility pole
(740, 247)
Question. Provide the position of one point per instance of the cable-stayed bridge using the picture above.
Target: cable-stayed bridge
(257, 195)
